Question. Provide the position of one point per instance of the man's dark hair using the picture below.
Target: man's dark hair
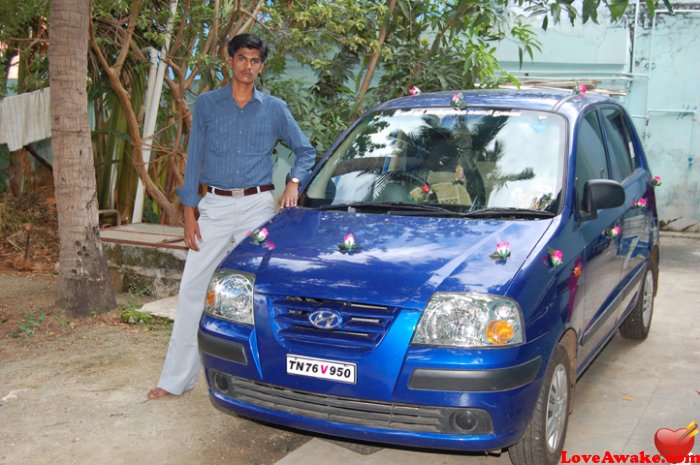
(247, 41)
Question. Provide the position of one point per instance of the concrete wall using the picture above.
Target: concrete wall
(653, 70)
(665, 99)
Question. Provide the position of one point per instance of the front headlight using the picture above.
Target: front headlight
(230, 296)
(470, 320)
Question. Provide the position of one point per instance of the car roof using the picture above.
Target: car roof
(534, 99)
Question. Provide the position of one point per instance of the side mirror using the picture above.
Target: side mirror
(600, 194)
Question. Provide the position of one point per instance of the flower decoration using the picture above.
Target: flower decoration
(459, 175)
(556, 257)
(502, 251)
(258, 236)
(640, 203)
(577, 270)
(421, 193)
(612, 233)
(349, 245)
(580, 89)
(656, 181)
(414, 91)
(456, 101)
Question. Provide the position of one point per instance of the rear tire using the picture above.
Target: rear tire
(636, 325)
(543, 440)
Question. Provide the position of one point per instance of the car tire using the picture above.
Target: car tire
(543, 439)
(636, 325)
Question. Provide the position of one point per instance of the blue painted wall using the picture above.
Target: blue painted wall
(653, 70)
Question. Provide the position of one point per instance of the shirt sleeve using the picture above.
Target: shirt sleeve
(189, 192)
(292, 135)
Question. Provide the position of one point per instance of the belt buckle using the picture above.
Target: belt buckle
(237, 193)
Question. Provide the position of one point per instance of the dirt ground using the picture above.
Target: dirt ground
(73, 391)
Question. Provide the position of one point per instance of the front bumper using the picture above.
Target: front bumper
(430, 406)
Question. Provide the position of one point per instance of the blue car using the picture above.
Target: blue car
(456, 262)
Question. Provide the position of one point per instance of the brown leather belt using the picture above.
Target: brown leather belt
(240, 192)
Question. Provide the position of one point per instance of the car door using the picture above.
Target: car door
(635, 227)
(601, 255)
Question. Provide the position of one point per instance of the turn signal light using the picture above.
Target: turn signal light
(499, 332)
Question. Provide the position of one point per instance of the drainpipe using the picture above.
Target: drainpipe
(153, 94)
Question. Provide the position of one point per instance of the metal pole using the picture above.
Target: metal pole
(151, 114)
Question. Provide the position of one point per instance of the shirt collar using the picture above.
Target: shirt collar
(224, 93)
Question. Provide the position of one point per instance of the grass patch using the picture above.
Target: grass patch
(30, 324)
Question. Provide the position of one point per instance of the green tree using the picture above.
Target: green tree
(352, 53)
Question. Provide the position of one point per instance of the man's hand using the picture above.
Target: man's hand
(290, 195)
(192, 234)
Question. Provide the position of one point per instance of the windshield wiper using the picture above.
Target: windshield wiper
(508, 213)
(390, 207)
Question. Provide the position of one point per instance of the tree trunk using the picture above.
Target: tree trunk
(375, 58)
(84, 285)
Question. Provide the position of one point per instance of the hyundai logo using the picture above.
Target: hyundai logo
(325, 319)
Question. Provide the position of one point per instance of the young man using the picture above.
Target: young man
(234, 130)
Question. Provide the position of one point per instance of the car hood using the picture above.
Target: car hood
(399, 260)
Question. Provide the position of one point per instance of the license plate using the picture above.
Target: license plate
(322, 369)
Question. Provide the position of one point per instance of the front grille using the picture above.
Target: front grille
(363, 325)
(374, 414)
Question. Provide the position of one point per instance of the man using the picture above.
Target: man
(234, 130)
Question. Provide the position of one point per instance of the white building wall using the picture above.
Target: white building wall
(653, 70)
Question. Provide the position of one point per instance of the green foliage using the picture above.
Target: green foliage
(321, 55)
(131, 313)
(133, 316)
(4, 167)
(30, 324)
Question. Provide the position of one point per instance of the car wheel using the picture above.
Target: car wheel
(544, 437)
(638, 322)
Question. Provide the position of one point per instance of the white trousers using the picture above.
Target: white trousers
(223, 222)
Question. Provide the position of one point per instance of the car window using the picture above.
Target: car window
(459, 159)
(622, 155)
(591, 162)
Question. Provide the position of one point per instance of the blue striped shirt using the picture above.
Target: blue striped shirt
(231, 147)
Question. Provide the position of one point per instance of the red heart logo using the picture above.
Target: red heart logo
(673, 445)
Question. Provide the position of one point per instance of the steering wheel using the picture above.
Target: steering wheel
(400, 186)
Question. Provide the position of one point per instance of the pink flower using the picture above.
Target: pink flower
(582, 88)
(414, 91)
(349, 245)
(425, 188)
(613, 232)
(270, 245)
(656, 181)
(259, 235)
(503, 250)
(456, 98)
(640, 203)
(349, 240)
(556, 257)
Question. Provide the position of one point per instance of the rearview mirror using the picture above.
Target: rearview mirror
(599, 194)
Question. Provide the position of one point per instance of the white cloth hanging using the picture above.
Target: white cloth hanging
(25, 118)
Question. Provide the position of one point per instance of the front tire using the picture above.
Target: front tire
(636, 325)
(543, 440)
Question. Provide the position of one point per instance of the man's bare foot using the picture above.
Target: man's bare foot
(157, 393)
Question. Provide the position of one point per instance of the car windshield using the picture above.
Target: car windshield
(461, 160)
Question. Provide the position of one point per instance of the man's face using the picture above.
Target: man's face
(246, 65)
